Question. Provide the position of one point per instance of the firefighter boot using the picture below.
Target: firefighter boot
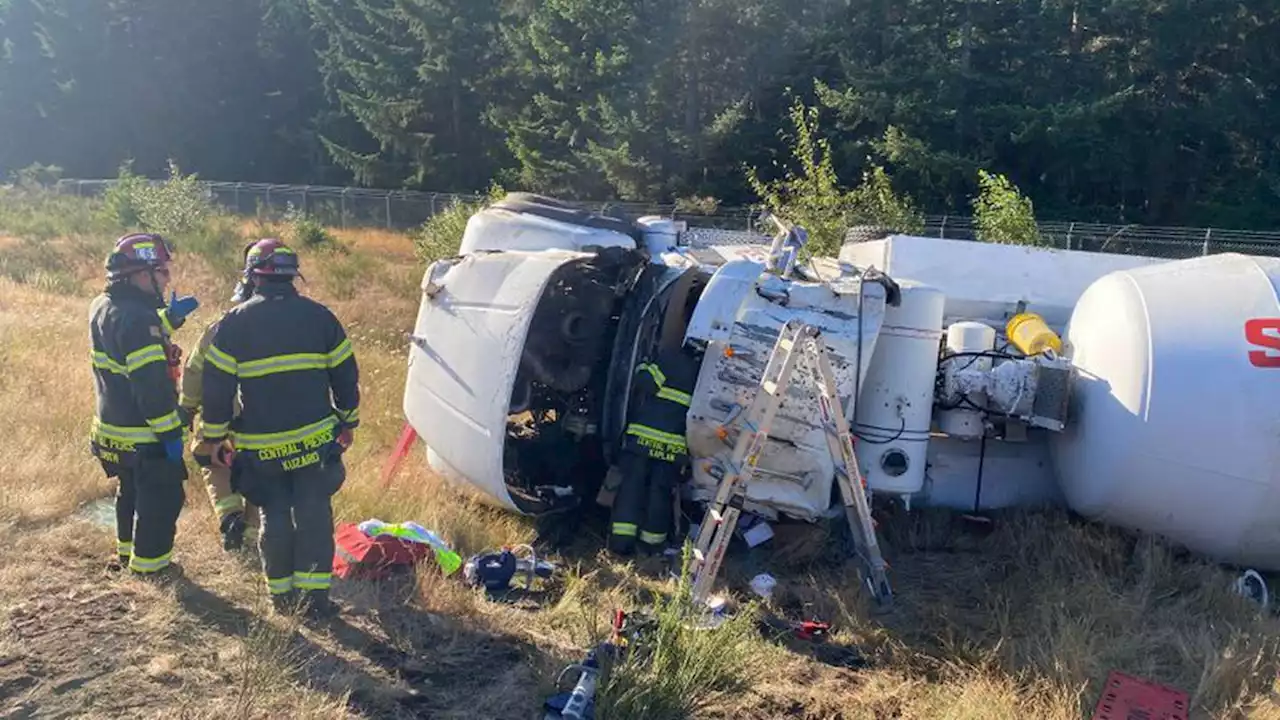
(166, 576)
(232, 527)
(285, 603)
(316, 605)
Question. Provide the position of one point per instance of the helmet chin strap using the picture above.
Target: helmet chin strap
(155, 285)
(244, 288)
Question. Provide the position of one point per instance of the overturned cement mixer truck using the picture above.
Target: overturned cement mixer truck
(1139, 391)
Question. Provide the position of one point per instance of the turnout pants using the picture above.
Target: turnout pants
(149, 499)
(217, 481)
(643, 507)
(296, 536)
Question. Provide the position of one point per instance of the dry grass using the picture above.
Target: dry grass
(1023, 623)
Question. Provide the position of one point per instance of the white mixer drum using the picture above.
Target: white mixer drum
(1175, 421)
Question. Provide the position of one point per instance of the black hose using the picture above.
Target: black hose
(964, 399)
(982, 456)
(982, 354)
(901, 429)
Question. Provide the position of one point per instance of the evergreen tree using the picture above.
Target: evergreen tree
(413, 75)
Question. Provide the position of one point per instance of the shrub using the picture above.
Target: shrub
(179, 208)
(174, 207)
(304, 231)
(814, 199)
(122, 202)
(37, 176)
(440, 236)
(1004, 215)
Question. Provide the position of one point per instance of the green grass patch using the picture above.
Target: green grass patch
(345, 276)
(218, 240)
(38, 214)
(681, 667)
(41, 266)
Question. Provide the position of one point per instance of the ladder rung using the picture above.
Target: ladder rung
(756, 419)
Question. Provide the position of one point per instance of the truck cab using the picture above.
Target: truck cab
(521, 357)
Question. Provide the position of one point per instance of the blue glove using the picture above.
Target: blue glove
(181, 307)
(173, 450)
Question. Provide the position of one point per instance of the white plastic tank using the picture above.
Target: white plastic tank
(963, 338)
(1175, 422)
(895, 408)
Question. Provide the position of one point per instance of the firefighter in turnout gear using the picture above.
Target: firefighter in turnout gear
(137, 432)
(235, 515)
(289, 359)
(654, 452)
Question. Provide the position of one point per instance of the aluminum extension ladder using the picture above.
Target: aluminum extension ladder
(722, 515)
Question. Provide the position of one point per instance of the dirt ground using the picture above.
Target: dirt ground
(80, 640)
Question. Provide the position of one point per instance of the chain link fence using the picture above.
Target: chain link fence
(348, 207)
(1174, 243)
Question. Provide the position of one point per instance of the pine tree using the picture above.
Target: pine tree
(412, 74)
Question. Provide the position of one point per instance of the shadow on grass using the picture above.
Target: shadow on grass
(453, 666)
(400, 661)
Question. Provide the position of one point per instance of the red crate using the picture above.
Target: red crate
(1126, 697)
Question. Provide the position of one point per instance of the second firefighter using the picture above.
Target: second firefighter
(235, 516)
(289, 359)
(655, 452)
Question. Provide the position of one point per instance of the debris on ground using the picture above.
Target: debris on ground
(1126, 696)
(763, 585)
(375, 549)
(579, 703)
(495, 570)
(810, 638)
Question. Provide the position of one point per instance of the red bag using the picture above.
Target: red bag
(357, 555)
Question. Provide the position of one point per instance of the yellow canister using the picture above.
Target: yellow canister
(1028, 332)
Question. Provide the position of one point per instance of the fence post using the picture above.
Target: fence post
(1207, 232)
(344, 208)
(388, 201)
(942, 229)
(237, 197)
(1070, 230)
